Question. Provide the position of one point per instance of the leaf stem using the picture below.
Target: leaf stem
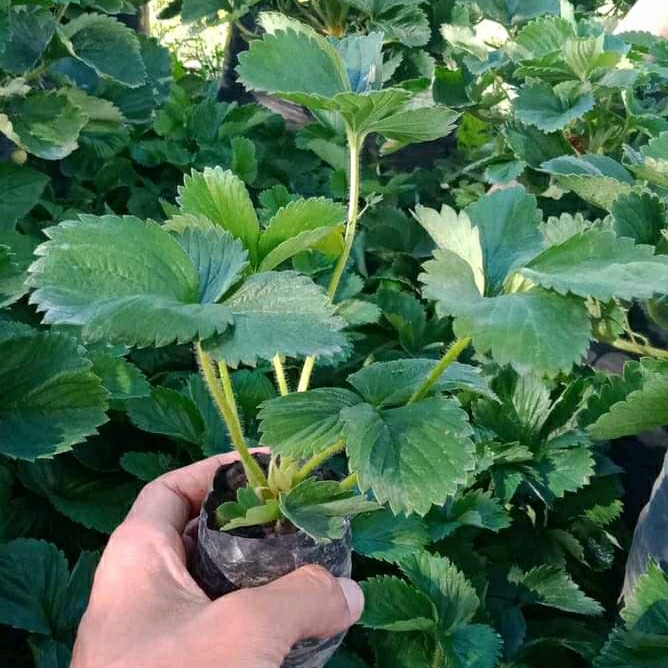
(355, 142)
(451, 355)
(254, 473)
(349, 482)
(640, 349)
(437, 661)
(281, 380)
(319, 459)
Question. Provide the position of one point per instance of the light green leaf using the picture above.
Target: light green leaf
(598, 179)
(541, 37)
(98, 502)
(584, 55)
(49, 398)
(264, 513)
(122, 379)
(363, 110)
(20, 190)
(641, 405)
(391, 604)
(107, 46)
(122, 280)
(650, 588)
(316, 69)
(453, 595)
(168, 412)
(320, 508)
(595, 263)
(393, 451)
(363, 60)
(417, 125)
(33, 579)
(551, 586)
(278, 313)
(244, 160)
(472, 646)
(219, 258)
(221, 196)
(148, 466)
(552, 108)
(651, 163)
(389, 537)
(302, 424)
(404, 650)
(44, 123)
(640, 215)
(296, 227)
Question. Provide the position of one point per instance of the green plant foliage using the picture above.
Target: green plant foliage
(194, 261)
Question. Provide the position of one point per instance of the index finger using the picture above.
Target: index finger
(172, 499)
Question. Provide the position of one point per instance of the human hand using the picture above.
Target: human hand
(146, 611)
(646, 16)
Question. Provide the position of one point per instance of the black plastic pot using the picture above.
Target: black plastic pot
(224, 562)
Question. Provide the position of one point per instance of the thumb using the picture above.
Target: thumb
(307, 603)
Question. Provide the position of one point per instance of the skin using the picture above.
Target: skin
(146, 610)
(646, 16)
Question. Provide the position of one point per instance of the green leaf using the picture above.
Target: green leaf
(640, 215)
(651, 163)
(386, 384)
(454, 597)
(265, 513)
(595, 263)
(122, 280)
(472, 646)
(49, 653)
(552, 108)
(302, 424)
(122, 379)
(416, 125)
(49, 398)
(568, 464)
(316, 69)
(244, 160)
(474, 508)
(389, 537)
(168, 412)
(363, 60)
(20, 190)
(29, 31)
(362, 111)
(406, 314)
(650, 588)
(300, 225)
(16, 254)
(545, 35)
(107, 46)
(221, 196)
(641, 405)
(278, 313)
(404, 650)
(219, 258)
(598, 179)
(391, 604)
(514, 12)
(215, 438)
(33, 579)
(320, 508)
(44, 123)
(536, 147)
(551, 586)
(148, 466)
(96, 501)
(393, 451)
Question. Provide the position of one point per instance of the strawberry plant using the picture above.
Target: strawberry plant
(412, 348)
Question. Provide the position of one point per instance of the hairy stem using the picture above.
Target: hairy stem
(355, 148)
(349, 481)
(437, 660)
(229, 413)
(451, 355)
(281, 380)
(319, 459)
(640, 349)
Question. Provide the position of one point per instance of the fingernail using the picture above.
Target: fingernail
(354, 597)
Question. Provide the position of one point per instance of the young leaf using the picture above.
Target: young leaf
(454, 597)
(393, 451)
(321, 508)
(98, 41)
(391, 604)
(302, 424)
(389, 537)
(551, 586)
(122, 280)
(20, 190)
(650, 588)
(49, 398)
(595, 263)
(416, 125)
(651, 163)
(221, 196)
(264, 513)
(278, 313)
